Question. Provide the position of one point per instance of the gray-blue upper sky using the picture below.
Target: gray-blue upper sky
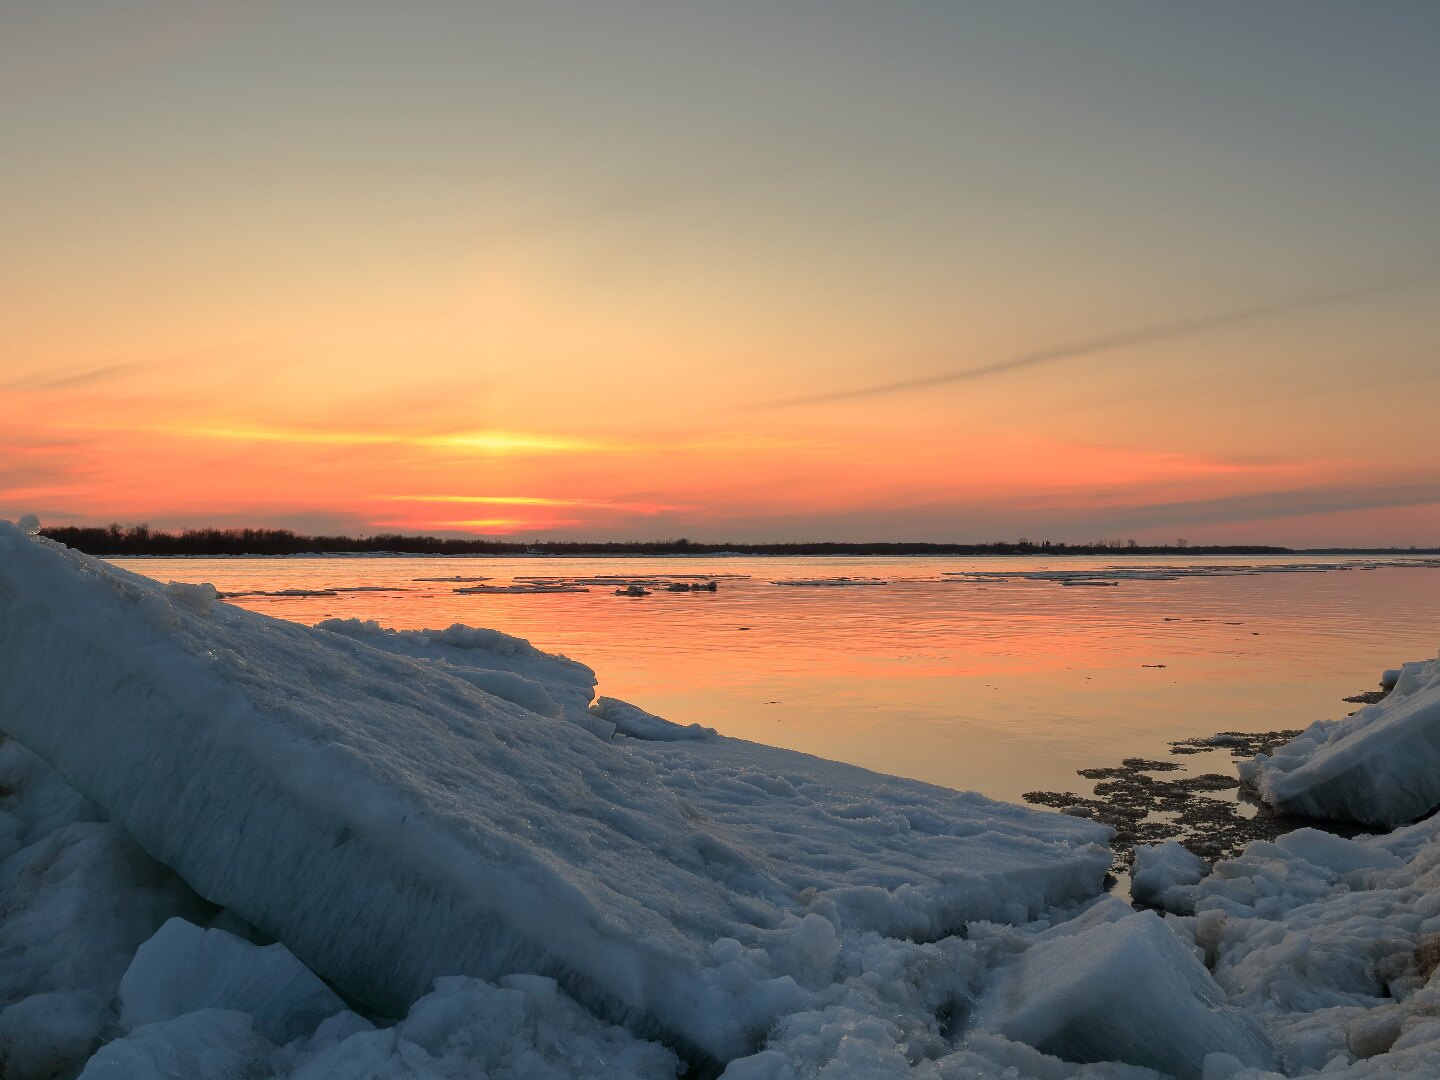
(596, 206)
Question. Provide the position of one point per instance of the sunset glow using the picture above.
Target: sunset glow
(335, 303)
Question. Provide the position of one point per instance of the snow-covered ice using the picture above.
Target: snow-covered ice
(391, 821)
(1126, 989)
(183, 968)
(1159, 868)
(1380, 766)
(635, 722)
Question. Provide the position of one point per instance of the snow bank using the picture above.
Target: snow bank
(391, 820)
(1380, 766)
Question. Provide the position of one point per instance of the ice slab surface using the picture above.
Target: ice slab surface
(1124, 990)
(1380, 766)
(1162, 868)
(184, 968)
(391, 821)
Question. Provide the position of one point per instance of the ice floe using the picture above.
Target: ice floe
(1379, 766)
(1114, 575)
(829, 583)
(520, 588)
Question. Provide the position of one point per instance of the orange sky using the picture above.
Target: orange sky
(374, 274)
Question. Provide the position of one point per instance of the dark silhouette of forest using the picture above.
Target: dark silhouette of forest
(142, 540)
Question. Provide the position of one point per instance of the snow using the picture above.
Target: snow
(1126, 990)
(501, 665)
(1332, 944)
(1380, 766)
(76, 900)
(184, 968)
(392, 821)
(46, 1035)
(636, 723)
(523, 1029)
(78, 903)
(1159, 868)
(216, 1044)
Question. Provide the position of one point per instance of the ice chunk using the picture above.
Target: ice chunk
(75, 906)
(201, 597)
(524, 1029)
(48, 1035)
(37, 797)
(1127, 991)
(212, 1043)
(1159, 868)
(521, 588)
(635, 722)
(835, 582)
(539, 681)
(184, 968)
(390, 822)
(1380, 766)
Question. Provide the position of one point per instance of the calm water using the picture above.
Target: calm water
(1001, 686)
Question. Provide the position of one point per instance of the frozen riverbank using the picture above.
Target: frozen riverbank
(438, 825)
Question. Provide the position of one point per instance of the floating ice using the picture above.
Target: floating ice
(835, 582)
(520, 588)
(392, 822)
(1113, 575)
(1380, 766)
(278, 593)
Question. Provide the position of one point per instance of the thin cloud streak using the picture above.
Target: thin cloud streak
(73, 379)
(536, 500)
(1143, 335)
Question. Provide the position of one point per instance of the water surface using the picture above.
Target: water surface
(975, 682)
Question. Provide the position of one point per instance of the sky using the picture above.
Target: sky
(930, 270)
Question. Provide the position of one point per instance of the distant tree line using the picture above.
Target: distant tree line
(113, 540)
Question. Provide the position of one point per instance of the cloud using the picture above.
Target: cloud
(539, 501)
(71, 380)
(1269, 505)
(1123, 339)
